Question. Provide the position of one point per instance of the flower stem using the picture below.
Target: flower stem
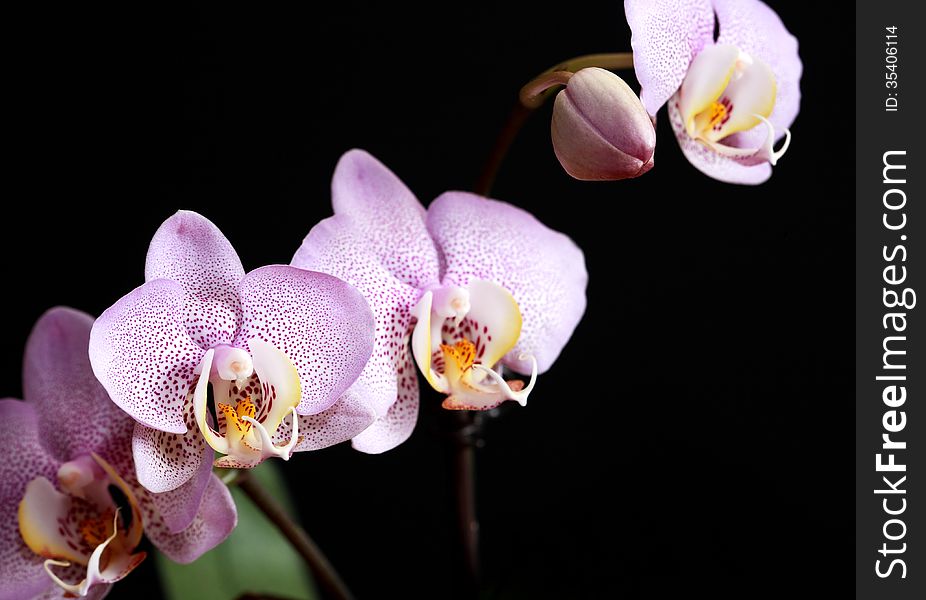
(465, 441)
(326, 577)
(532, 96)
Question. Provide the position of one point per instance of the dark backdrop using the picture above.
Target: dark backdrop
(695, 433)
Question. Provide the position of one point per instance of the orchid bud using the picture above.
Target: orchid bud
(600, 129)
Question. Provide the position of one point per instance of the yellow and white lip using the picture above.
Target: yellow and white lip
(246, 438)
(457, 353)
(83, 526)
(727, 91)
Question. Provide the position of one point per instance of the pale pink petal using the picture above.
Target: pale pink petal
(21, 572)
(169, 461)
(141, 353)
(666, 35)
(320, 322)
(339, 247)
(397, 425)
(543, 269)
(189, 249)
(348, 416)
(755, 29)
(708, 161)
(387, 216)
(76, 415)
(215, 519)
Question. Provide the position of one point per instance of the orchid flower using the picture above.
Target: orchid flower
(277, 348)
(730, 99)
(471, 284)
(72, 512)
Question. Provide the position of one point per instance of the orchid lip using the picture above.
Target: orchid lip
(457, 353)
(73, 526)
(244, 433)
(268, 448)
(726, 91)
(519, 396)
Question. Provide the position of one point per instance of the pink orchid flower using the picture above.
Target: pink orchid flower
(63, 532)
(729, 100)
(277, 346)
(471, 283)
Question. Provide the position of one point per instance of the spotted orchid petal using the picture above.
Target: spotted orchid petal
(212, 523)
(58, 381)
(166, 461)
(377, 242)
(338, 246)
(178, 506)
(21, 574)
(397, 424)
(666, 35)
(346, 418)
(190, 249)
(385, 213)
(757, 30)
(483, 239)
(320, 322)
(141, 353)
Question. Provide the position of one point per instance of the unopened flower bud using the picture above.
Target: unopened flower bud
(600, 129)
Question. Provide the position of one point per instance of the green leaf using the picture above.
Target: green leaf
(254, 559)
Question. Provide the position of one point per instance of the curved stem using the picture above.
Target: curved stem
(465, 438)
(532, 96)
(325, 576)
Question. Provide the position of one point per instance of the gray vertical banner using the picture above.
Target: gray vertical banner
(890, 540)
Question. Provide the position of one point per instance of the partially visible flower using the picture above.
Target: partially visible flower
(278, 346)
(729, 100)
(600, 129)
(72, 512)
(473, 283)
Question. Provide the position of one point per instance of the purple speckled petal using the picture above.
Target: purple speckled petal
(397, 425)
(21, 572)
(76, 415)
(755, 29)
(189, 249)
(666, 35)
(543, 269)
(141, 353)
(350, 415)
(215, 519)
(709, 162)
(339, 247)
(387, 215)
(178, 507)
(320, 322)
(168, 461)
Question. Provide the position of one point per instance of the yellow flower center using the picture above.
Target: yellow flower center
(243, 408)
(463, 354)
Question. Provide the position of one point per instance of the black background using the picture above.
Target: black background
(694, 435)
